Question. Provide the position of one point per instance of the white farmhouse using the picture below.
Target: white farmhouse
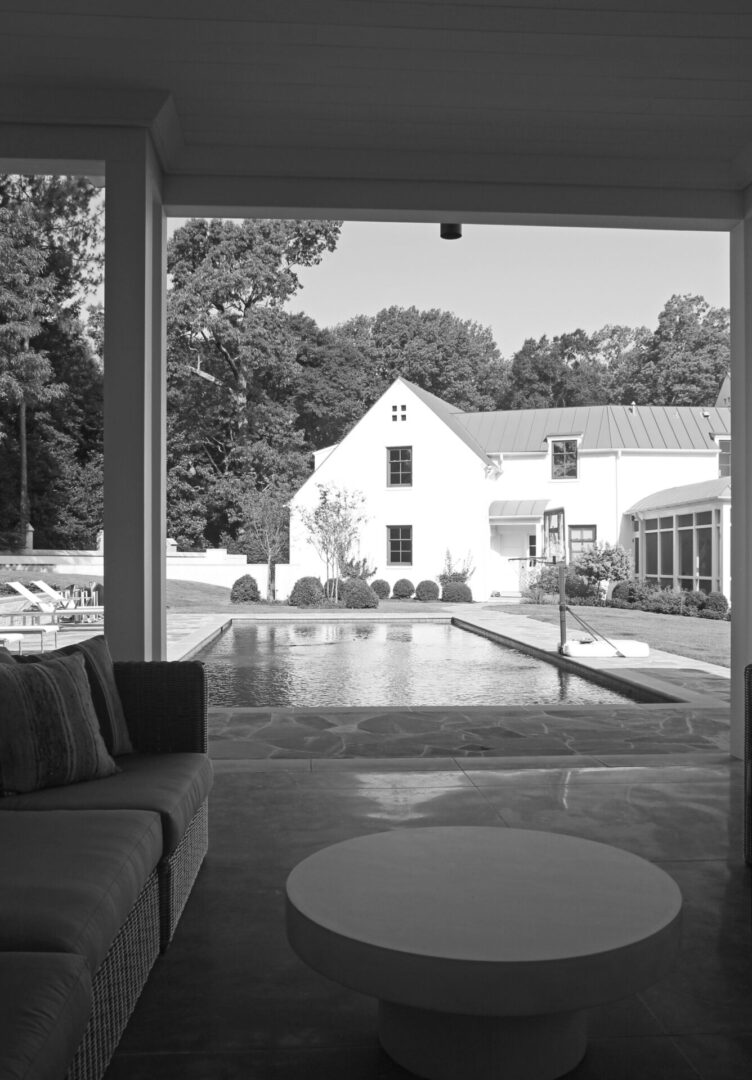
(506, 487)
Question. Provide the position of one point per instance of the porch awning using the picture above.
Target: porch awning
(517, 509)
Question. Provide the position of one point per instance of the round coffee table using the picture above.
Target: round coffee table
(485, 946)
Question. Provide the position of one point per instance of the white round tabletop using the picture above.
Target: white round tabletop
(385, 912)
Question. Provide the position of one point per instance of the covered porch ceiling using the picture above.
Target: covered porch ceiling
(620, 110)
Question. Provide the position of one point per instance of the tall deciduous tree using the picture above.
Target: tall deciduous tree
(563, 371)
(50, 233)
(26, 378)
(454, 358)
(684, 361)
(232, 368)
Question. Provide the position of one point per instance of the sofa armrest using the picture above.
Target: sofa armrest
(165, 704)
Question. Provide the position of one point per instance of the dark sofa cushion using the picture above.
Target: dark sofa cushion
(173, 785)
(104, 691)
(46, 1004)
(49, 732)
(73, 877)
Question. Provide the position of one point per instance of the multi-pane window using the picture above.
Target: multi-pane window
(399, 466)
(724, 457)
(399, 545)
(401, 415)
(581, 538)
(659, 551)
(564, 459)
(679, 551)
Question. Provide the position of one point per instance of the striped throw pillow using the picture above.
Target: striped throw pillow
(49, 731)
(104, 691)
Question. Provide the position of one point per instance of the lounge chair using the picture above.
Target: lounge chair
(67, 608)
(35, 601)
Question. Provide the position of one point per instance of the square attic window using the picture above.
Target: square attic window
(401, 414)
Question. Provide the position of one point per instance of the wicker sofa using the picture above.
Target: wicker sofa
(98, 874)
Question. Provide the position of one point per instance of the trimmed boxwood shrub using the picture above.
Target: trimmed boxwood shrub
(427, 590)
(633, 593)
(665, 602)
(381, 588)
(457, 592)
(357, 593)
(709, 613)
(307, 592)
(403, 589)
(693, 601)
(245, 590)
(716, 601)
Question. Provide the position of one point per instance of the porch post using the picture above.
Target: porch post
(741, 469)
(134, 403)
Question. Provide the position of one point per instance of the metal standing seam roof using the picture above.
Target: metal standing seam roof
(683, 495)
(598, 427)
(452, 417)
(517, 508)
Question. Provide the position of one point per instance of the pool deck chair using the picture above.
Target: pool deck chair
(35, 601)
(67, 609)
(59, 600)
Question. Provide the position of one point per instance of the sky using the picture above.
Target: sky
(522, 281)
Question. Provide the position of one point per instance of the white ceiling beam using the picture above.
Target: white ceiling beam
(212, 196)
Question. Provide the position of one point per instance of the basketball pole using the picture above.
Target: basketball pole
(562, 604)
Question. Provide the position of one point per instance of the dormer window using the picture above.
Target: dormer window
(399, 413)
(564, 459)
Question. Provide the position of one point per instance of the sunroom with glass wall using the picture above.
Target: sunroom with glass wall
(681, 537)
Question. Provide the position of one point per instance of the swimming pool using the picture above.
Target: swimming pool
(362, 664)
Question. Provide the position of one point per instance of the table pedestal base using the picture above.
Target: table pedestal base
(444, 1046)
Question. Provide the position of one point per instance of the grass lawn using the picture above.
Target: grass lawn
(701, 639)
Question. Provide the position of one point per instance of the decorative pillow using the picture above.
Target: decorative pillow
(49, 731)
(104, 691)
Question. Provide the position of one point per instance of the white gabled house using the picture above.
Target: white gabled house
(504, 487)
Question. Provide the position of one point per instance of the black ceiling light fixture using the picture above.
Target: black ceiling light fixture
(450, 232)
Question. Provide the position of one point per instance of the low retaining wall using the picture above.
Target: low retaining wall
(213, 567)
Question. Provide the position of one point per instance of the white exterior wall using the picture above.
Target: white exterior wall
(444, 505)
(609, 482)
(449, 500)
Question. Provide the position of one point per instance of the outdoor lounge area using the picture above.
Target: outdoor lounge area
(559, 113)
(231, 999)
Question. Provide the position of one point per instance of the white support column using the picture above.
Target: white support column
(741, 472)
(134, 403)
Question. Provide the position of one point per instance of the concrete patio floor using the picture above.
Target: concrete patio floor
(231, 1001)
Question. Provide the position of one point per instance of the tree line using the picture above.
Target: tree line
(253, 388)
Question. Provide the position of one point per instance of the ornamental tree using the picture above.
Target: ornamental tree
(603, 563)
(333, 527)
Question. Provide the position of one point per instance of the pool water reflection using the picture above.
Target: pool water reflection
(360, 664)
